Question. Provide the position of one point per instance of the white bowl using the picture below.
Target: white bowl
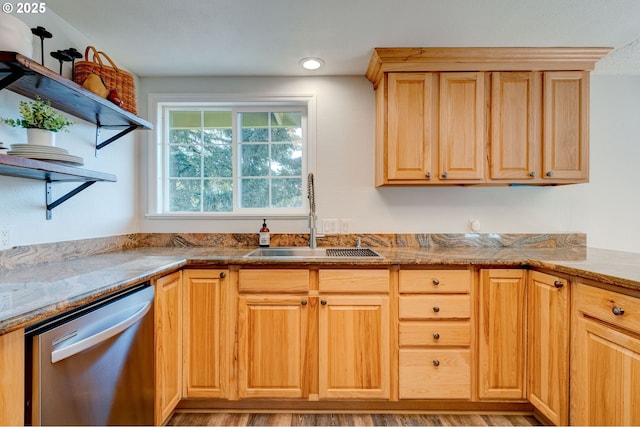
(15, 35)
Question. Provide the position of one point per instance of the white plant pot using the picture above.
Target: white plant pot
(41, 137)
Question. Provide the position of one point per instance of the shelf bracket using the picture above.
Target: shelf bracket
(101, 145)
(51, 204)
(14, 76)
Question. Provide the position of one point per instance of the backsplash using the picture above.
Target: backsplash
(59, 251)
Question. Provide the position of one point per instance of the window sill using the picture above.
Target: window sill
(199, 216)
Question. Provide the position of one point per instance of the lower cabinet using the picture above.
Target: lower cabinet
(354, 347)
(435, 314)
(168, 345)
(605, 358)
(329, 343)
(502, 334)
(272, 338)
(206, 337)
(12, 380)
(548, 313)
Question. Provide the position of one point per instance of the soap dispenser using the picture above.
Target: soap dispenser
(265, 238)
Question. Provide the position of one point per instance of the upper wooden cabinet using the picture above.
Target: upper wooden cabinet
(488, 116)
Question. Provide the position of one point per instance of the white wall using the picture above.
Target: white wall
(606, 208)
(104, 209)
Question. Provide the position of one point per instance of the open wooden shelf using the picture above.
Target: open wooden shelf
(28, 78)
(48, 171)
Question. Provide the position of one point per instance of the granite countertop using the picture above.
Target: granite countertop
(34, 293)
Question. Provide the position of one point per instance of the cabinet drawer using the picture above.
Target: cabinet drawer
(281, 280)
(435, 281)
(435, 307)
(601, 304)
(435, 374)
(352, 280)
(435, 333)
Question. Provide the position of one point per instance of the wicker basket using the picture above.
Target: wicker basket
(113, 77)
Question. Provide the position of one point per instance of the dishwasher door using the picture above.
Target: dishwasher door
(95, 367)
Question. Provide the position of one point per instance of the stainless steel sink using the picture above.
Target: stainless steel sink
(305, 252)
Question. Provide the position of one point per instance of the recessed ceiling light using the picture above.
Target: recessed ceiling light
(311, 63)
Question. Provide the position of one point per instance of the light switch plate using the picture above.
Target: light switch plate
(330, 226)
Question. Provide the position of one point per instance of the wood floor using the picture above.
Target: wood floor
(288, 419)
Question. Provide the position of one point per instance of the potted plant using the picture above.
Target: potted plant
(40, 120)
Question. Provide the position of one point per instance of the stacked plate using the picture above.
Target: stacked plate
(46, 153)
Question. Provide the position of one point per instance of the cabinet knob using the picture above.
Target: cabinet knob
(444, 174)
(436, 309)
(436, 336)
(558, 284)
(303, 302)
(223, 275)
(532, 174)
(428, 175)
(549, 174)
(436, 362)
(436, 282)
(323, 302)
(617, 311)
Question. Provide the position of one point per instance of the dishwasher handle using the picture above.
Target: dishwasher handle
(67, 351)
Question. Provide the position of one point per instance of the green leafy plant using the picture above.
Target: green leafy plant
(40, 115)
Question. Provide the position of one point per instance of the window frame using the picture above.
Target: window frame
(158, 165)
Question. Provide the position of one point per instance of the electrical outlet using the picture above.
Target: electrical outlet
(6, 302)
(330, 226)
(344, 226)
(474, 225)
(5, 237)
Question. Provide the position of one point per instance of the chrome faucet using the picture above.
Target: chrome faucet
(313, 242)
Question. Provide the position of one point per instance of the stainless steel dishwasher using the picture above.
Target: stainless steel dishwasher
(94, 366)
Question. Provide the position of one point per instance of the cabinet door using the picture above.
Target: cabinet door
(168, 344)
(412, 125)
(516, 107)
(354, 347)
(205, 343)
(502, 335)
(463, 129)
(566, 126)
(605, 357)
(548, 345)
(272, 346)
(12, 378)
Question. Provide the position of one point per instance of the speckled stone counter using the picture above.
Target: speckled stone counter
(38, 291)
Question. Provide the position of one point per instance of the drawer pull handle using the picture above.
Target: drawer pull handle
(558, 284)
(617, 311)
(436, 282)
(323, 302)
(436, 309)
(223, 275)
(436, 336)
(303, 302)
(436, 362)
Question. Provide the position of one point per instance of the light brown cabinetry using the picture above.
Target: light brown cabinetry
(548, 316)
(206, 337)
(432, 122)
(605, 358)
(273, 333)
(326, 339)
(168, 345)
(353, 329)
(436, 128)
(435, 331)
(502, 334)
(12, 359)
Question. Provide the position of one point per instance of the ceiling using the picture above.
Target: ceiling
(269, 37)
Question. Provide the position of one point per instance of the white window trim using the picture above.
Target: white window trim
(156, 102)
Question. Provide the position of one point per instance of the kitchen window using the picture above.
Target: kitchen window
(235, 158)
